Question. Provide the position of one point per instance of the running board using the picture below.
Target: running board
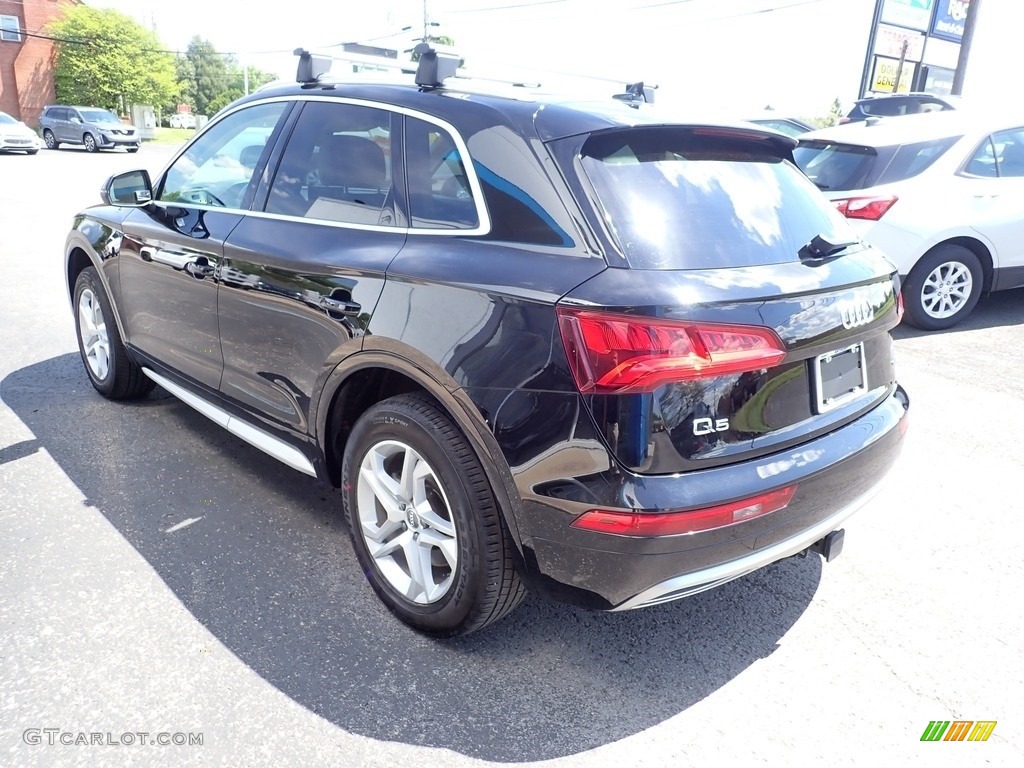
(254, 436)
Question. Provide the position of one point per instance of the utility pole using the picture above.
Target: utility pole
(965, 46)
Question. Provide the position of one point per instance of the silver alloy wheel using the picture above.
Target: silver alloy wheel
(92, 329)
(406, 522)
(946, 290)
(90, 143)
(48, 137)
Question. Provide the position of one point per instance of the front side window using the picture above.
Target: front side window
(337, 166)
(216, 169)
(440, 195)
(10, 29)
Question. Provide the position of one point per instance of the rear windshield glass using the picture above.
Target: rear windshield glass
(849, 167)
(688, 199)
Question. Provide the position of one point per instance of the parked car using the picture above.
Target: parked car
(15, 136)
(942, 195)
(537, 344)
(182, 120)
(895, 104)
(93, 128)
(790, 126)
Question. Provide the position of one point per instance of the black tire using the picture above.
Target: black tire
(943, 287)
(133, 149)
(32, 151)
(483, 585)
(50, 139)
(90, 143)
(118, 378)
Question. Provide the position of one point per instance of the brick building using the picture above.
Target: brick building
(26, 62)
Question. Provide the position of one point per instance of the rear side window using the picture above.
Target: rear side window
(678, 198)
(849, 167)
(440, 194)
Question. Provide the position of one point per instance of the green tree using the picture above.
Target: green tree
(185, 85)
(211, 75)
(832, 118)
(106, 59)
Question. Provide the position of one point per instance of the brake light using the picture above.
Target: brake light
(617, 354)
(869, 208)
(690, 521)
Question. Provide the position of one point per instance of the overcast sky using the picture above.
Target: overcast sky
(796, 55)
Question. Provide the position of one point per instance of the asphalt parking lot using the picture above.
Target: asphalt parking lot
(255, 628)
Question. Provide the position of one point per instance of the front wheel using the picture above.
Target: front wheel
(112, 372)
(90, 143)
(424, 522)
(943, 287)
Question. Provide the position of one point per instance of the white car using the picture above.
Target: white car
(941, 194)
(15, 136)
(183, 120)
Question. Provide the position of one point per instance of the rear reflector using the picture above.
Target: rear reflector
(869, 208)
(691, 521)
(618, 354)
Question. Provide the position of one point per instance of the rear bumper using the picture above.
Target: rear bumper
(835, 474)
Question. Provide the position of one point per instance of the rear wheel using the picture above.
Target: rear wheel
(50, 139)
(424, 522)
(943, 287)
(89, 142)
(112, 372)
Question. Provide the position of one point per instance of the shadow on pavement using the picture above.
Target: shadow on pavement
(270, 572)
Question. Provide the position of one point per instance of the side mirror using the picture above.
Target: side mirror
(132, 188)
(75, 120)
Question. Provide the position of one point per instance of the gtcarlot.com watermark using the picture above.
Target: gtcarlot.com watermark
(53, 736)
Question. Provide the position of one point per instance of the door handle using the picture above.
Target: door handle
(341, 307)
(200, 268)
(169, 258)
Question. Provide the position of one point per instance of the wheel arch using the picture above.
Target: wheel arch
(367, 378)
(80, 256)
(979, 249)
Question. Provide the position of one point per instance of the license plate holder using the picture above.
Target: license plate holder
(839, 377)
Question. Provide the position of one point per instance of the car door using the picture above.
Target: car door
(995, 177)
(62, 124)
(302, 276)
(172, 248)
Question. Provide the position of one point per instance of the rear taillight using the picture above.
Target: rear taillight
(691, 521)
(618, 354)
(870, 208)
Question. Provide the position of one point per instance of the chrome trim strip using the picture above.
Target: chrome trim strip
(689, 584)
(256, 437)
(474, 182)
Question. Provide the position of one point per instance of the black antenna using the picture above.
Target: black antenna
(637, 93)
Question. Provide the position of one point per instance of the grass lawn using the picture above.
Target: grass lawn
(173, 135)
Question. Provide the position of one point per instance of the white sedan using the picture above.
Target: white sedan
(941, 194)
(15, 136)
(182, 120)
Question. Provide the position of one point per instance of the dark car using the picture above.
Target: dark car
(892, 105)
(567, 347)
(93, 128)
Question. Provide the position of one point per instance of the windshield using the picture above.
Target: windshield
(677, 199)
(6, 119)
(98, 116)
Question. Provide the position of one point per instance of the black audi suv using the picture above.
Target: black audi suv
(581, 349)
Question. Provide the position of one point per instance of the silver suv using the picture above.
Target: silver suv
(92, 127)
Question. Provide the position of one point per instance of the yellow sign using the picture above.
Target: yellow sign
(884, 79)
